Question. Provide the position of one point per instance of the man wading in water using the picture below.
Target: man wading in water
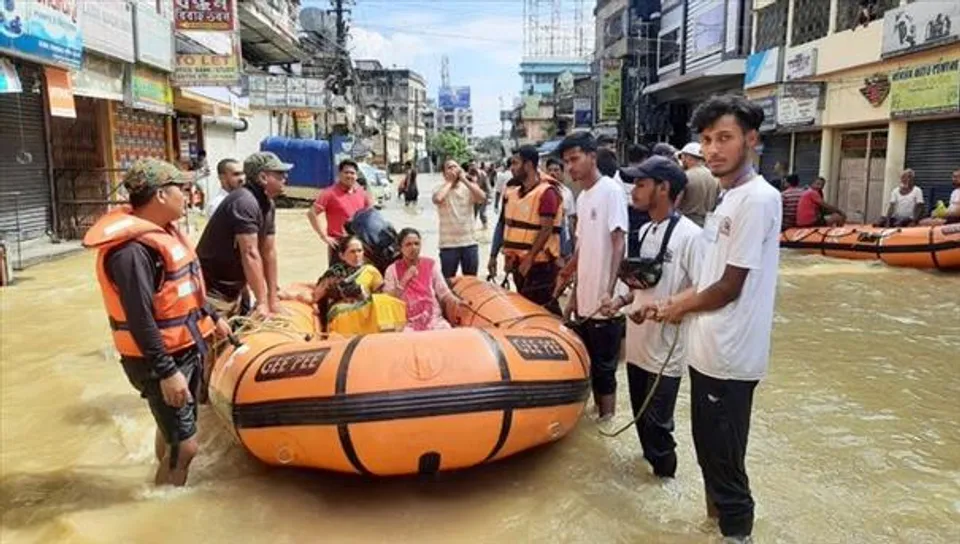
(729, 310)
(154, 295)
(602, 225)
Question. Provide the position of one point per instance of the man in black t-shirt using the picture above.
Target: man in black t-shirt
(237, 249)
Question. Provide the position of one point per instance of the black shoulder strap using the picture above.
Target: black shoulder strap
(674, 219)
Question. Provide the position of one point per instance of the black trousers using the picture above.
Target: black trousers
(720, 416)
(655, 428)
(602, 339)
(538, 285)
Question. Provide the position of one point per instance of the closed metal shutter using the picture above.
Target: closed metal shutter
(806, 156)
(933, 151)
(776, 148)
(21, 129)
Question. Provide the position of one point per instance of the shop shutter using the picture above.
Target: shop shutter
(806, 156)
(21, 129)
(933, 151)
(776, 148)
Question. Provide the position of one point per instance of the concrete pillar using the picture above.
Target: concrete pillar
(896, 155)
(833, 16)
(826, 155)
(789, 40)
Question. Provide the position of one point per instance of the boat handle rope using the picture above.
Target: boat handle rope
(653, 389)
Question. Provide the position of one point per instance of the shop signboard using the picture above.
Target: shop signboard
(800, 65)
(920, 25)
(154, 39)
(107, 27)
(769, 106)
(99, 78)
(60, 93)
(43, 30)
(203, 14)
(611, 85)
(206, 70)
(150, 90)
(582, 112)
(929, 89)
(798, 104)
(276, 92)
(763, 68)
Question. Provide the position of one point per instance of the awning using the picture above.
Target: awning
(268, 36)
(675, 87)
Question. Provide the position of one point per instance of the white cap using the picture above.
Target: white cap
(692, 149)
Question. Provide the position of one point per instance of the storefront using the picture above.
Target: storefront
(860, 189)
(931, 92)
(48, 37)
(790, 136)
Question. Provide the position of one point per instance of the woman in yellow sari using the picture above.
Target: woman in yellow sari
(348, 297)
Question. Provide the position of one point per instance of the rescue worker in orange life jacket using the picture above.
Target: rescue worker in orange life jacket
(154, 295)
(533, 220)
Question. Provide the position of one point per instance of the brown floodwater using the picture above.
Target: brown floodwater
(855, 434)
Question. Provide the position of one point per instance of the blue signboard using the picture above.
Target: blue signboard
(763, 68)
(43, 29)
(450, 98)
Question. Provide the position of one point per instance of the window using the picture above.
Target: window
(811, 20)
(772, 26)
(528, 79)
(545, 79)
(668, 51)
(848, 12)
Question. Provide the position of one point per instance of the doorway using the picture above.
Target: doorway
(863, 159)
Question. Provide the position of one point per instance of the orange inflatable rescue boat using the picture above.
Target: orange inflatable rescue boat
(509, 377)
(916, 247)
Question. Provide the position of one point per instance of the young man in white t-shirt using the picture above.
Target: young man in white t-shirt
(729, 310)
(601, 229)
(906, 203)
(664, 267)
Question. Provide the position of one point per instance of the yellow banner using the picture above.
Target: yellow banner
(206, 70)
(929, 89)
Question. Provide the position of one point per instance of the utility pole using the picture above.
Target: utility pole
(385, 114)
(342, 29)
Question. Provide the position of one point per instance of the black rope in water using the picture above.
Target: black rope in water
(653, 389)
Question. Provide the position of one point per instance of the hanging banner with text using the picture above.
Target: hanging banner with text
(275, 92)
(930, 89)
(611, 85)
(203, 14)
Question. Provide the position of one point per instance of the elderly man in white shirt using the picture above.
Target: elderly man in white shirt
(906, 203)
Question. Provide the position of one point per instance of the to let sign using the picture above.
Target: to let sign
(203, 14)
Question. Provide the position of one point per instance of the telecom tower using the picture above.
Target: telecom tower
(556, 29)
(444, 71)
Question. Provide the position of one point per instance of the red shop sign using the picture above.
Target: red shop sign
(203, 14)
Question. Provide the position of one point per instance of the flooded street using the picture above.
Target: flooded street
(855, 434)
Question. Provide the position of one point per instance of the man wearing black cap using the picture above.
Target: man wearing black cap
(237, 247)
(667, 255)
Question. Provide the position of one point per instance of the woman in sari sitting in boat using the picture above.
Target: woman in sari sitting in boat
(419, 283)
(348, 297)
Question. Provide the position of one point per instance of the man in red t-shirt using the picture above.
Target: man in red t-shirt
(812, 211)
(339, 203)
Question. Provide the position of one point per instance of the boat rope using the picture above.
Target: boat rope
(653, 388)
(243, 325)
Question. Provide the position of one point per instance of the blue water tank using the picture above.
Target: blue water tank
(313, 164)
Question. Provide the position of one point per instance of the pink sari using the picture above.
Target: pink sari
(423, 308)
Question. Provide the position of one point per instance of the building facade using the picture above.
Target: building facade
(402, 94)
(858, 103)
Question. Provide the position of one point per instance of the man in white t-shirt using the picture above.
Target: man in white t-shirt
(906, 203)
(729, 310)
(601, 229)
(664, 267)
(231, 177)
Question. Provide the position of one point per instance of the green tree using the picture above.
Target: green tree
(449, 145)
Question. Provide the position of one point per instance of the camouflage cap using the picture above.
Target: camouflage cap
(264, 161)
(147, 173)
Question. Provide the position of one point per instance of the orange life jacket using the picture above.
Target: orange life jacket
(522, 222)
(178, 305)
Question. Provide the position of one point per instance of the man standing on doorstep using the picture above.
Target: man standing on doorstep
(238, 247)
(730, 308)
(455, 200)
(533, 222)
(339, 203)
(154, 296)
(601, 230)
(700, 196)
(230, 173)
